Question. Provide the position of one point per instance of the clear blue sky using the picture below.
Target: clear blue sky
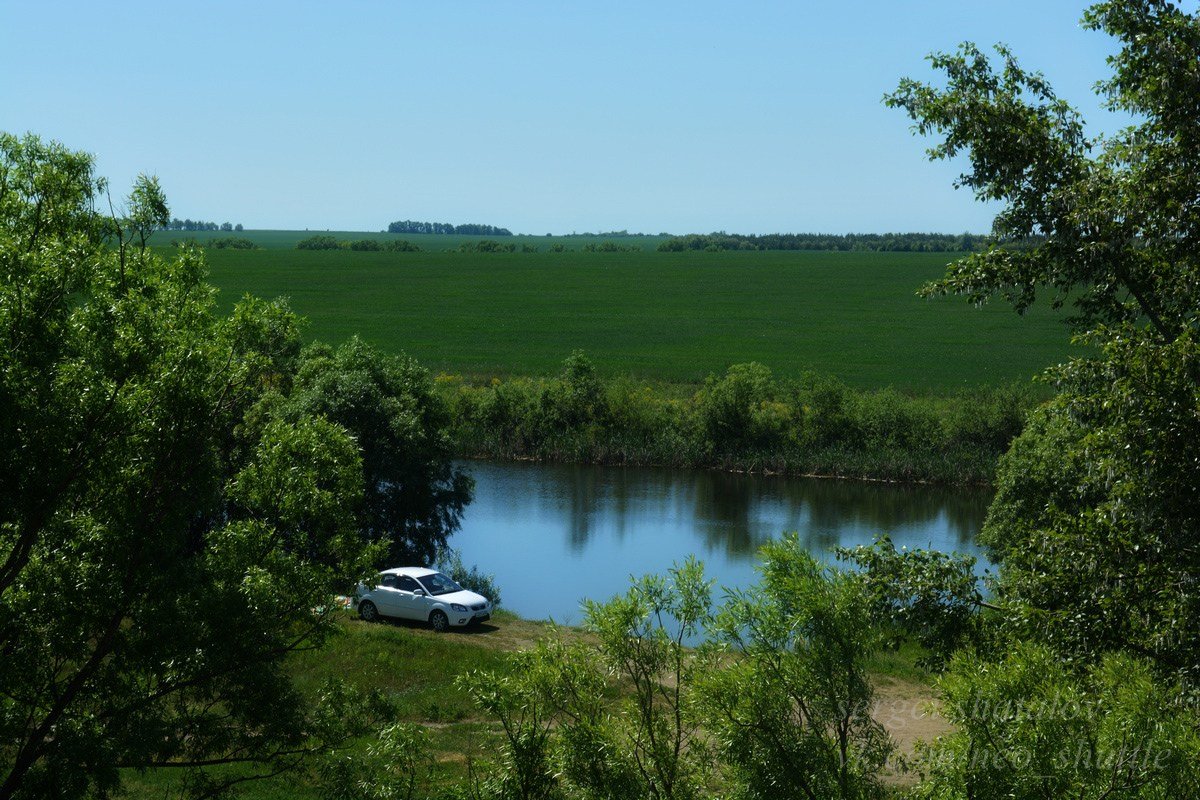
(541, 117)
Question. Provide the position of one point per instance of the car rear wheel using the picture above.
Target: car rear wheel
(439, 621)
(368, 611)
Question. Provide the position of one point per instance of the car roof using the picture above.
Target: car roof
(414, 572)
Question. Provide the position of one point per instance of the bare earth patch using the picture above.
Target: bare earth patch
(910, 712)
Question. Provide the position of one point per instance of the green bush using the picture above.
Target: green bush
(487, 246)
(318, 242)
(576, 399)
(888, 420)
(232, 243)
(738, 411)
(989, 419)
(610, 247)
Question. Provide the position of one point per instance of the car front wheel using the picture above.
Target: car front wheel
(368, 611)
(439, 621)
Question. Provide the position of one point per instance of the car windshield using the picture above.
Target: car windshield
(437, 583)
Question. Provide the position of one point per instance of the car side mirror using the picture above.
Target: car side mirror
(419, 592)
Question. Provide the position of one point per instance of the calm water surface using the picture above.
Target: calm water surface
(556, 534)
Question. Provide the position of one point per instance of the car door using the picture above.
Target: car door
(411, 605)
(386, 596)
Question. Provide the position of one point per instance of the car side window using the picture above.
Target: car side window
(407, 584)
(389, 581)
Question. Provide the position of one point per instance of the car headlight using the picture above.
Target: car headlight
(458, 607)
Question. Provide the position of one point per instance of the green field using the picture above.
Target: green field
(673, 317)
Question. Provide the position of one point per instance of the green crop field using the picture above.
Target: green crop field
(673, 317)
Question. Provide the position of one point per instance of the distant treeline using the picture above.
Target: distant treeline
(326, 242)
(610, 247)
(223, 243)
(199, 225)
(615, 234)
(857, 242)
(470, 229)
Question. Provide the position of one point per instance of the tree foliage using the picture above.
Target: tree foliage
(467, 229)
(1097, 501)
(1027, 725)
(776, 703)
(176, 224)
(171, 526)
(1097, 511)
(851, 242)
(413, 495)
(930, 596)
(791, 711)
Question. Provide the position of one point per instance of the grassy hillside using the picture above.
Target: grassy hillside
(673, 317)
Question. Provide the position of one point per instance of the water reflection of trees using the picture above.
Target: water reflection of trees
(736, 514)
(884, 508)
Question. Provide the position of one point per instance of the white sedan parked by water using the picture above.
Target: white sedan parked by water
(421, 594)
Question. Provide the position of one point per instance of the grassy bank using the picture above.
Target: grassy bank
(745, 420)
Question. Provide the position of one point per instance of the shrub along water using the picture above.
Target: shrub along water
(745, 420)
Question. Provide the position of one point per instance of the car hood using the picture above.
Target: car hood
(464, 597)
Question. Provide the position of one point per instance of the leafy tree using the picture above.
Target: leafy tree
(232, 243)
(1029, 726)
(469, 229)
(158, 555)
(576, 398)
(526, 701)
(777, 704)
(413, 495)
(736, 410)
(643, 636)
(791, 711)
(930, 596)
(396, 764)
(565, 736)
(857, 242)
(1096, 507)
(1097, 511)
(1107, 233)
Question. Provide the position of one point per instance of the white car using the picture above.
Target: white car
(421, 594)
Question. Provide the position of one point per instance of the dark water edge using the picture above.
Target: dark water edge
(554, 534)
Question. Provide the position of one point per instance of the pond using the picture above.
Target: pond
(555, 534)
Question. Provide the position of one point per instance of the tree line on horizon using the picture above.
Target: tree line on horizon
(468, 229)
(851, 242)
(176, 224)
